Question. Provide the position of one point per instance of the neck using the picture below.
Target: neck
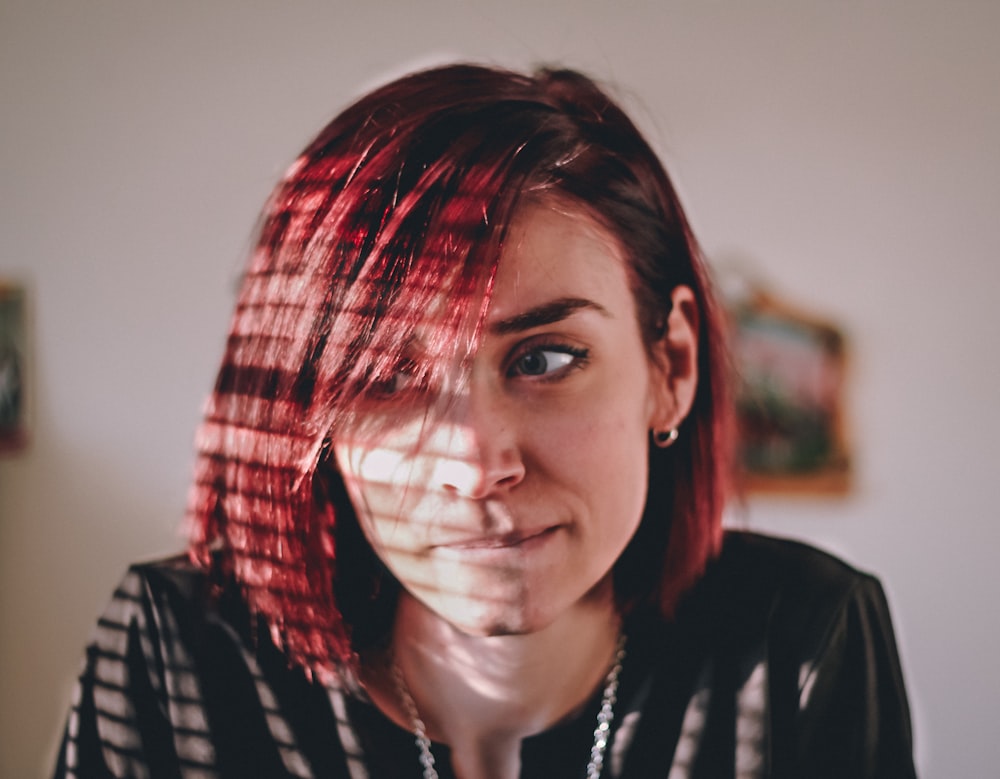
(482, 695)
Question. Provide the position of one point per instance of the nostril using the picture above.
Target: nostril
(471, 481)
(457, 476)
(510, 476)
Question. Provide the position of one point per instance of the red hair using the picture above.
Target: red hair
(404, 198)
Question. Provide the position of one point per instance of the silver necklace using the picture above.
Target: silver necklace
(601, 733)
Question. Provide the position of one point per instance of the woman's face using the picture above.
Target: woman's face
(512, 505)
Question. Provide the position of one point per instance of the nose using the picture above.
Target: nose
(480, 452)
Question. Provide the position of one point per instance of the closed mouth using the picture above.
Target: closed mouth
(506, 540)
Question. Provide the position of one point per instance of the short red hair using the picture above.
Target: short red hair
(405, 195)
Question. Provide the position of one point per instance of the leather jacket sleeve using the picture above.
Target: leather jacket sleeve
(854, 719)
(796, 661)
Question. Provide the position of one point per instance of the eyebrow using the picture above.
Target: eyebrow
(545, 314)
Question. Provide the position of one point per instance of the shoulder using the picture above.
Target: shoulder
(793, 597)
(795, 573)
(165, 600)
(149, 596)
(820, 629)
(172, 582)
(784, 556)
(176, 573)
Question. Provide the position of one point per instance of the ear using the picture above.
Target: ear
(674, 374)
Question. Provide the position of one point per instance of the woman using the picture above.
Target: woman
(459, 487)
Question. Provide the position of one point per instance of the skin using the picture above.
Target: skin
(503, 518)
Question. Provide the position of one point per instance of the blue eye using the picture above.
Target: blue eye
(546, 360)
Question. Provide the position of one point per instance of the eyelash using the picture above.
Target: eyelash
(389, 389)
(404, 380)
(580, 357)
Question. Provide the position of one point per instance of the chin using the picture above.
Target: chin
(487, 619)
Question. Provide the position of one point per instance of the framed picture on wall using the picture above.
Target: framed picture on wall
(13, 368)
(790, 399)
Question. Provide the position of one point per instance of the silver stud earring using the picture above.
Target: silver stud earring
(665, 438)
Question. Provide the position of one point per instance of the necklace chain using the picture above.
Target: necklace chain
(416, 724)
(602, 732)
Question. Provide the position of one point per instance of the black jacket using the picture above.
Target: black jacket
(780, 663)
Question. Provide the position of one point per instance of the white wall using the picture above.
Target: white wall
(849, 150)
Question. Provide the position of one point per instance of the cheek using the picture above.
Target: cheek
(373, 478)
(612, 450)
(608, 426)
(619, 468)
(602, 456)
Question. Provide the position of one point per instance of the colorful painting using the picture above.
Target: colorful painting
(790, 399)
(13, 370)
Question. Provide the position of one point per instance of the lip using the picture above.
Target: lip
(515, 539)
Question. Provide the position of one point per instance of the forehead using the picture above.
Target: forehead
(554, 251)
(555, 260)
